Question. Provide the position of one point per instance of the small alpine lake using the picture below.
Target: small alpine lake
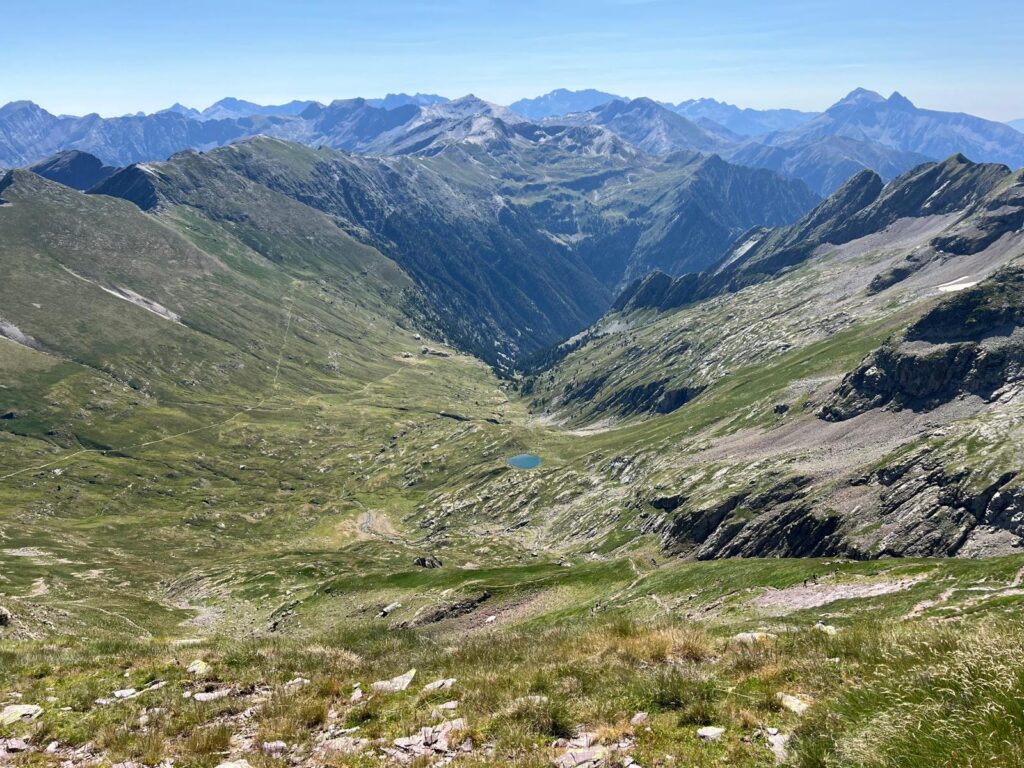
(525, 461)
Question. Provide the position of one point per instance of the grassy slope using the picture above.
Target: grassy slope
(298, 451)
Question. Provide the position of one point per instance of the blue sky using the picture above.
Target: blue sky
(114, 56)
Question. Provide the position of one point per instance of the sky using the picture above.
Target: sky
(116, 57)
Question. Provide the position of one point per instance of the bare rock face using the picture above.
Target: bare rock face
(970, 344)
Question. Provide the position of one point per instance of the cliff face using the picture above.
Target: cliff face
(970, 344)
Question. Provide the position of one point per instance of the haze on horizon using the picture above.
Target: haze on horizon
(116, 57)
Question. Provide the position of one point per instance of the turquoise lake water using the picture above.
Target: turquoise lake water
(525, 461)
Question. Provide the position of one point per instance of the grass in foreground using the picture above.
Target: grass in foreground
(883, 694)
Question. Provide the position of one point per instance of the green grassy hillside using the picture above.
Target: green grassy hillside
(230, 435)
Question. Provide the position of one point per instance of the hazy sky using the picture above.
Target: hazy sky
(115, 56)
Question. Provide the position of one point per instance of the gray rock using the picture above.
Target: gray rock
(710, 733)
(395, 684)
(14, 713)
(212, 695)
(274, 747)
(13, 745)
(346, 745)
(777, 744)
(795, 704)
(439, 685)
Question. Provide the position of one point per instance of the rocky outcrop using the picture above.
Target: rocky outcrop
(775, 522)
(925, 510)
(992, 201)
(972, 343)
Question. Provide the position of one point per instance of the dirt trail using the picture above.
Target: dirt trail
(1013, 589)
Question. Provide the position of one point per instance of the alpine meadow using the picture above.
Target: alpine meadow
(578, 430)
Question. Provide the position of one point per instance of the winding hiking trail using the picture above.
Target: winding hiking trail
(1013, 589)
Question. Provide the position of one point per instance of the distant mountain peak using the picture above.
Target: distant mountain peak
(860, 97)
(24, 105)
(562, 101)
(396, 100)
(897, 99)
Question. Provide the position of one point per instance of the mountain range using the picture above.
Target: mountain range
(414, 430)
(861, 131)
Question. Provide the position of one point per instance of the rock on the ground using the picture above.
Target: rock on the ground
(198, 667)
(796, 704)
(395, 684)
(274, 747)
(638, 719)
(752, 638)
(587, 757)
(439, 685)
(346, 745)
(13, 745)
(710, 733)
(14, 713)
(428, 562)
(297, 682)
(826, 629)
(777, 744)
(234, 764)
(429, 740)
(5, 617)
(211, 695)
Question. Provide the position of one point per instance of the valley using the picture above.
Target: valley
(645, 457)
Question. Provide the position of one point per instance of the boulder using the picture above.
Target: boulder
(14, 713)
(211, 695)
(439, 685)
(588, 757)
(346, 745)
(5, 617)
(777, 744)
(710, 733)
(198, 667)
(428, 562)
(274, 747)
(795, 704)
(395, 684)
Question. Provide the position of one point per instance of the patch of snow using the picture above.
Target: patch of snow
(959, 284)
